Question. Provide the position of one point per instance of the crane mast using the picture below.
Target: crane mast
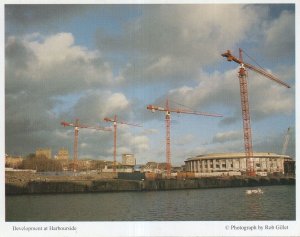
(76, 126)
(115, 122)
(76, 132)
(242, 74)
(168, 139)
(286, 141)
(168, 112)
(246, 117)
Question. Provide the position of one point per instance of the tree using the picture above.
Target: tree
(41, 163)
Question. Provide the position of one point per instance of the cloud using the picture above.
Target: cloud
(162, 66)
(233, 146)
(149, 131)
(171, 47)
(270, 142)
(279, 38)
(56, 63)
(41, 72)
(228, 120)
(95, 105)
(140, 144)
(91, 108)
(188, 138)
(25, 16)
(130, 142)
(224, 137)
(57, 49)
(218, 89)
(99, 144)
(116, 102)
(273, 142)
(213, 89)
(173, 41)
(269, 99)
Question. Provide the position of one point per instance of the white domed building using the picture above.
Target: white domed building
(218, 164)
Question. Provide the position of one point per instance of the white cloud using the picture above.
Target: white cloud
(266, 98)
(39, 68)
(140, 143)
(228, 136)
(115, 102)
(137, 143)
(212, 88)
(174, 41)
(54, 65)
(161, 66)
(187, 30)
(128, 142)
(83, 145)
(95, 105)
(57, 49)
(167, 43)
(149, 131)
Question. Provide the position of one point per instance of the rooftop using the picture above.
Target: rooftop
(238, 155)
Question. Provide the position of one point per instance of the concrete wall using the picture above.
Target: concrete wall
(80, 186)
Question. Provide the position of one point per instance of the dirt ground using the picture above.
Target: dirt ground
(23, 177)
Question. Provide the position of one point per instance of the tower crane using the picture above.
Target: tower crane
(76, 126)
(286, 141)
(115, 122)
(242, 74)
(168, 112)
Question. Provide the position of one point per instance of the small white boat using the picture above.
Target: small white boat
(254, 191)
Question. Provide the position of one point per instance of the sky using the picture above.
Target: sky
(64, 62)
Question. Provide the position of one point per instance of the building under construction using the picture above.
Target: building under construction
(235, 164)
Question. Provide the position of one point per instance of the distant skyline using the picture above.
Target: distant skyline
(64, 62)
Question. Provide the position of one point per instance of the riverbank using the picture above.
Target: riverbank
(30, 183)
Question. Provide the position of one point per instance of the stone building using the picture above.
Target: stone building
(63, 154)
(128, 159)
(13, 161)
(46, 152)
(235, 164)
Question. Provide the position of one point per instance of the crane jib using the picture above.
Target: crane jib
(266, 74)
(230, 58)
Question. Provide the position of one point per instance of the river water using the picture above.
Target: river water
(220, 204)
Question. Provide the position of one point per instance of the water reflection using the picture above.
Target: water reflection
(254, 206)
(277, 203)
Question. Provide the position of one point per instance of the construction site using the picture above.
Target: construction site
(229, 169)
